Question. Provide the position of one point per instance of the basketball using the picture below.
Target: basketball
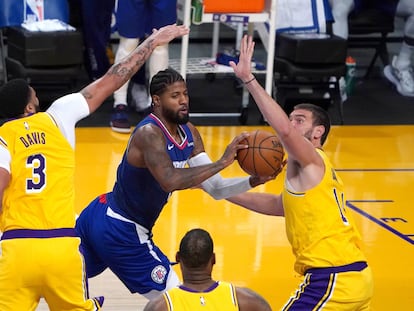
(264, 156)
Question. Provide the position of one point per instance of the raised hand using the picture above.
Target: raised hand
(259, 180)
(167, 33)
(243, 69)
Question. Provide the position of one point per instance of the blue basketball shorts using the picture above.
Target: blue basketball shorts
(110, 240)
(135, 18)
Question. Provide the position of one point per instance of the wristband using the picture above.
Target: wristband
(245, 83)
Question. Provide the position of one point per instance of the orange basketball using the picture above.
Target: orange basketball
(264, 156)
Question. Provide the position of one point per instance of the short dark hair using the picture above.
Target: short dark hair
(320, 117)
(163, 79)
(14, 97)
(196, 248)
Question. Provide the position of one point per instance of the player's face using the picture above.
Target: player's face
(302, 121)
(174, 103)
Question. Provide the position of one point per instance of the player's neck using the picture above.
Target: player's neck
(198, 282)
(172, 128)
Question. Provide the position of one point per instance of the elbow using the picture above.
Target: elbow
(168, 186)
(170, 183)
(216, 193)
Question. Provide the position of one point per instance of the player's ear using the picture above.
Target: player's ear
(213, 259)
(319, 131)
(177, 257)
(156, 100)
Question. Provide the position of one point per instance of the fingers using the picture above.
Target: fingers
(247, 45)
(241, 141)
(240, 137)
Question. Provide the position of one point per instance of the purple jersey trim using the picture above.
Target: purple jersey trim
(211, 288)
(39, 234)
(356, 266)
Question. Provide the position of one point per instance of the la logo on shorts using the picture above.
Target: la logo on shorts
(158, 274)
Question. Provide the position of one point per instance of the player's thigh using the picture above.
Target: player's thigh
(131, 18)
(66, 286)
(352, 291)
(20, 277)
(141, 266)
(162, 13)
(345, 291)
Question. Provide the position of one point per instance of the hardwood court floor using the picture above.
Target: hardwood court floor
(375, 162)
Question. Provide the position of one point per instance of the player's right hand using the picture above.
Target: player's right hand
(231, 150)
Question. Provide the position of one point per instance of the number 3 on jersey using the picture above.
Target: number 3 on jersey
(37, 164)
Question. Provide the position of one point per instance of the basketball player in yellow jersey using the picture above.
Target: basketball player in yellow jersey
(39, 250)
(319, 227)
(199, 291)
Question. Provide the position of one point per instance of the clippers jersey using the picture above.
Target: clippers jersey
(221, 296)
(318, 225)
(136, 192)
(34, 198)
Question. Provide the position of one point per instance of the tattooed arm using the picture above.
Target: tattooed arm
(97, 92)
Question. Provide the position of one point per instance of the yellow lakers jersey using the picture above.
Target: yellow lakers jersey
(221, 297)
(41, 190)
(319, 226)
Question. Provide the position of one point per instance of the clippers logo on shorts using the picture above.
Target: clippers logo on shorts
(158, 274)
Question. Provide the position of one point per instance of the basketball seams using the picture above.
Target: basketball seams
(275, 166)
(264, 154)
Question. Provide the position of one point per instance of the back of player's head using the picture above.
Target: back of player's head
(14, 97)
(320, 117)
(163, 79)
(196, 248)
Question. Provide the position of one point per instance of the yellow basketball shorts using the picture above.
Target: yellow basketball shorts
(342, 288)
(50, 267)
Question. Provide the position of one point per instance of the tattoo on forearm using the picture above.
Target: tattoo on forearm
(124, 69)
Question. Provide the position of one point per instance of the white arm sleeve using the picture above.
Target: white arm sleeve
(218, 187)
(67, 111)
(5, 158)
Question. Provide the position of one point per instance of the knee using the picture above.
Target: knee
(127, 44)
(341, 8)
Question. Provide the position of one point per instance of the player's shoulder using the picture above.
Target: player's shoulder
(191, 126)
(150, 128)
(157, 304)
(193, 129)
(251, 300)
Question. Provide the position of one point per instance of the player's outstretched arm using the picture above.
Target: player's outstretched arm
(119, 73)
(147, 149)
(295, 144)
(217, 186)
(263, 203)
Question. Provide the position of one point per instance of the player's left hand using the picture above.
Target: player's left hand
(259, 180)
